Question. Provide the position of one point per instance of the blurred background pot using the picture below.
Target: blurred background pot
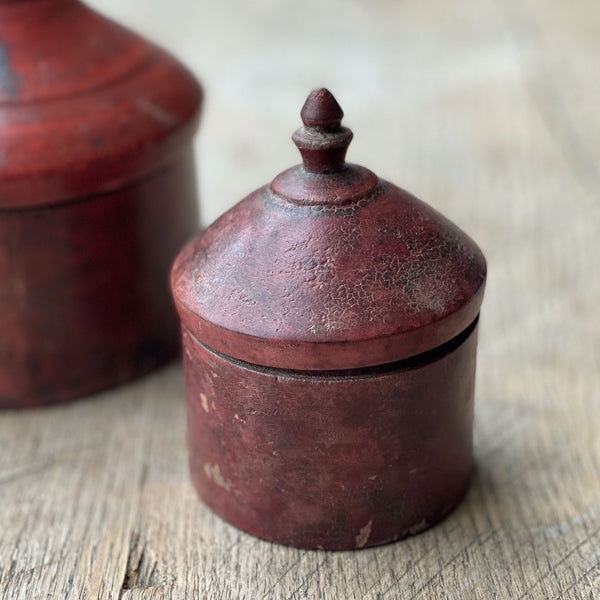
(97, 193)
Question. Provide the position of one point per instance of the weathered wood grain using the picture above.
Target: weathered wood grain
(490, 112)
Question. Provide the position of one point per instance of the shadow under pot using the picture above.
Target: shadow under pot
(97, 195)
(330, 329)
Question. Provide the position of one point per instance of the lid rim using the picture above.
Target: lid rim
(330, 354)
(65, 185)
(383, 369)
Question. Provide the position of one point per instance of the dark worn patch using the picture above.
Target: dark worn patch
(10, 82)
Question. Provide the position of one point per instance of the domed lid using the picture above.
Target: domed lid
(85, 105)
(328, 267)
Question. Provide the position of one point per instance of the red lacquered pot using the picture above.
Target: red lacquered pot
(329, 326)
(97, 194)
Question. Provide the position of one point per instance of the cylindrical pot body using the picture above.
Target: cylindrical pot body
(84, 298)
(334, 460)
(329, 323)
(97, 194)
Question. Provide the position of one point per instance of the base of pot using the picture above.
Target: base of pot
(338, 460)
(363, 538)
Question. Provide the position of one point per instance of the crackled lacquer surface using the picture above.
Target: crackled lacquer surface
(385, 266)
(489, 112)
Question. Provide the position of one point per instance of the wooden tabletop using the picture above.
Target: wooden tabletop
(490, 112)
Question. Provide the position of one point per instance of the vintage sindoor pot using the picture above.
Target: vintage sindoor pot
(329, 329)
(97, 195)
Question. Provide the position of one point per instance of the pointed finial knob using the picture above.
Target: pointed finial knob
(322, 141)
(321, 110)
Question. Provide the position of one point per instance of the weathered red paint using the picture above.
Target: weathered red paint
(329, 325)
(97, 193)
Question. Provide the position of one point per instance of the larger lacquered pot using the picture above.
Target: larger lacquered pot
(97, 194)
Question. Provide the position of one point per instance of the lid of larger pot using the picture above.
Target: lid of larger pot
(328, 267)
(86, 106)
